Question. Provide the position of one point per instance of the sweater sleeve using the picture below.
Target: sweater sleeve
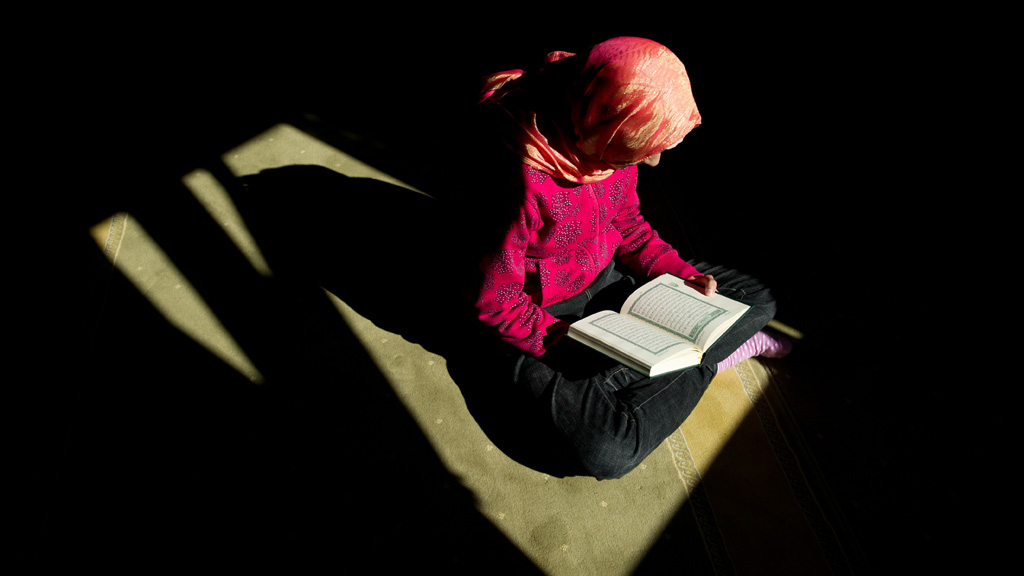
(504, 306)
(642, 249)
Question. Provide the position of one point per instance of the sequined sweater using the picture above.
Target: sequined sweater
(565, 235)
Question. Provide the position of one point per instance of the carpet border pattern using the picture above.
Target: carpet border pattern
(767, 412)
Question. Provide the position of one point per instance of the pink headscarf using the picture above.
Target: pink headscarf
(577, 117)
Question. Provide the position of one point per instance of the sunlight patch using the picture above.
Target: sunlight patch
(212, 195)
(286, 145)
(138, 257)
(785, 329)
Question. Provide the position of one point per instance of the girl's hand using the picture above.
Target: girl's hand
(707, 282)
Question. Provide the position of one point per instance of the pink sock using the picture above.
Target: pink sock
(760, 344)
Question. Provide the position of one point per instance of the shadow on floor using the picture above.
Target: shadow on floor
(170, 454)
(407, 263)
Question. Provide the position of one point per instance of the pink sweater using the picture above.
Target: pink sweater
(564, 237)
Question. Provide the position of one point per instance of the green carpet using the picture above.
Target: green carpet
(391, 449)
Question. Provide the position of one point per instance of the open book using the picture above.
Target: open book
(665, 325)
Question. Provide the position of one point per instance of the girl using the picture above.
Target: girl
(576, 242)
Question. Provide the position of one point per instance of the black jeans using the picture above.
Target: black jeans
(611, 417)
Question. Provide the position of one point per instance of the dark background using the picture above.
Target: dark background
(813, 169)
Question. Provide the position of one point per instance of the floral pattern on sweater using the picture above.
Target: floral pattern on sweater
(564, 236)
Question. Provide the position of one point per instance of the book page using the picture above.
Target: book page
(671, 305)
(638, 334)
(634, 343)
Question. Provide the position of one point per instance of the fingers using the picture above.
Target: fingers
(710, 286)
(707, 281)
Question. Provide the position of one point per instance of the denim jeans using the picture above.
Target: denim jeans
(610, 417)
